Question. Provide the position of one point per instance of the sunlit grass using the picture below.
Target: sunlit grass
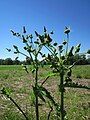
(77, 101)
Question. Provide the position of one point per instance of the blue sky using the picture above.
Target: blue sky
(35, 14)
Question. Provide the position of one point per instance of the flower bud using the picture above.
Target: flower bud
(64, 42)
(60, 47)
(45, 29)
(36, 41)
(23, 38)
(67, 30)
(51, 32)
(36, 34)
(24, 30)
(49, 39)
(55, 44)
(88, 52)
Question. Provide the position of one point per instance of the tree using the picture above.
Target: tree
(1, 61)
(8, 61)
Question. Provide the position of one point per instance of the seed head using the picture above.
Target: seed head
(67, 30)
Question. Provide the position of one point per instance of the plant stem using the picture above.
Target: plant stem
(62, 96)
(67, 43)
(37, 111)
(18, 108)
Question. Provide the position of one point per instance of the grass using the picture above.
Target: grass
(77, 101)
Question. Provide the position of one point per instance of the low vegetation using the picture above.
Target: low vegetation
(77, 102)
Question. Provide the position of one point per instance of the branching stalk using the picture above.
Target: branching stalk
(19, 108)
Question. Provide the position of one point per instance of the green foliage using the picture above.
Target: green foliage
(58, 60)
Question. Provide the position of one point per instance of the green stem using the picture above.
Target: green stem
(67, 43)
(37, 111)
(19, 108)
(62, 96)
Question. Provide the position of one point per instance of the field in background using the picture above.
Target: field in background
(77, 101)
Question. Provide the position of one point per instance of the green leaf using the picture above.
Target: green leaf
(25, 68)
(69, 73)
(47, 94)
(38, 92)
(49, 38)
(75, 85)
(15, 46)
(70, 53)
(23, 39)
(5, 91)
(9, 50)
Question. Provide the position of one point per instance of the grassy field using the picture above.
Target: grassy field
(77, 101)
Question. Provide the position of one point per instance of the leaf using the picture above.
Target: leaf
(49, 75)
(9, 50)
(49, 38)
(25, 68)
(70, 53)
(16, 48)
(16, 58)
(69, 73)
(75, 85)
(48, 95)
(23, 38)
(38, 92)
(5, 91)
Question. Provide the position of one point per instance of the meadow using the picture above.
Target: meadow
(77, 101)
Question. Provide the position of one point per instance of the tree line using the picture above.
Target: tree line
(82, 60)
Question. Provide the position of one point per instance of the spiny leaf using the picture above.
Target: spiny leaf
(75, 85)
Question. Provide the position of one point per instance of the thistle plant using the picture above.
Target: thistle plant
(34, 49)
(58, 60)
(57, 56)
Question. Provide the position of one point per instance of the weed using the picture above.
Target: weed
(58, 60)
